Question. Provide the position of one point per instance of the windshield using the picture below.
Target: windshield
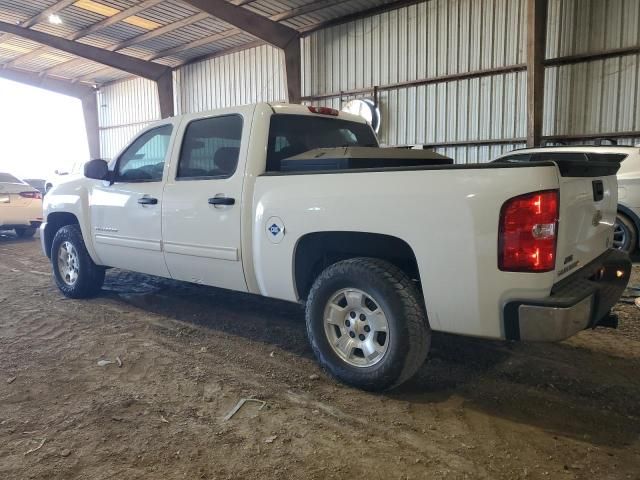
(291, 135)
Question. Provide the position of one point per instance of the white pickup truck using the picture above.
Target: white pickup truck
(381, 245)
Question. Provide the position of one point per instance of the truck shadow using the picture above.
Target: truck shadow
(564, 390)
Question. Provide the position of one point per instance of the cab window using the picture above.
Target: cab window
(144, 160)
(211, 148)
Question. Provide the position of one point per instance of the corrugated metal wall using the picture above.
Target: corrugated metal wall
(600, 96)
(249, 76)
(124, 109)
(427, 40)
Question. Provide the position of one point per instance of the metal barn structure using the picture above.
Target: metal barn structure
(470, 78)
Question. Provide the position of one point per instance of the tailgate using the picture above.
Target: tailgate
(588, 206)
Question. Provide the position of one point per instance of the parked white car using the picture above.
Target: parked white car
(382, 245)
(61, 175)
(20, 206)
(627, 228)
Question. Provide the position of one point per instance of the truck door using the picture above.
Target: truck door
(201, 217)
(126, 216)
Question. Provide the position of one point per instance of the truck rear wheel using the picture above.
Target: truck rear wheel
(75, 273)
(366, 324)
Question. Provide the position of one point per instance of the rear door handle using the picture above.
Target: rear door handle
(222, 201)
(148, 201)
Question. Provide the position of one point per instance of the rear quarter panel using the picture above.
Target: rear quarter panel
(449, 218)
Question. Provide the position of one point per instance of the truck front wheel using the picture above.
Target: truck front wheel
(366, 324)
(75, 273)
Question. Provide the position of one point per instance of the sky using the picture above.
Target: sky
(40, 131)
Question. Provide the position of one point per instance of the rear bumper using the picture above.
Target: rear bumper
(21, 216)
(577, 302)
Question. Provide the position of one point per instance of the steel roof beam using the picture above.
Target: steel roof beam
(61, 5)
(142, 68)
(257, 25)
(281, 36)
(33, 79)
(139, 39)
(106, 22)
(135, 66)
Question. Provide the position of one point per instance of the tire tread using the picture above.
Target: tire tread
(414, 313)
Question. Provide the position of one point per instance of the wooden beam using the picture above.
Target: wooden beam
(33, 79)
(132, 65)
(255, 24)
(536, 48)
(106, 22)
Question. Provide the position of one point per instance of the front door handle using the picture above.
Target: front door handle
(222, 201)
(148, 201)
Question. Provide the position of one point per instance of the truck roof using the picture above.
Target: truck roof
(295, 109)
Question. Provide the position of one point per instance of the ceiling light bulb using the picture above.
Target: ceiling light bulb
(55, 19)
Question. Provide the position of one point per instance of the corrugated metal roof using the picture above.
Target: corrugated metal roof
(76, 17)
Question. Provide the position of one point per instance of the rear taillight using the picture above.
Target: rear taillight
(324, 111)
(34, 195)
(528, 232)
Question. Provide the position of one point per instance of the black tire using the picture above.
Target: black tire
(26, 232)
(90, 277)
(409, 335)
(626, 234)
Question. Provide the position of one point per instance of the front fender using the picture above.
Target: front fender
(72, 198)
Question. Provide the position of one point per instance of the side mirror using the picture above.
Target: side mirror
(97, 169)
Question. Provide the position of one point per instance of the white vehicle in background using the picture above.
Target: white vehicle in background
(382, 245)
(61, 175)
(626, 235)
(20, 206)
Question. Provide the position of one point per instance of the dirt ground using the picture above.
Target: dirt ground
(477, 409)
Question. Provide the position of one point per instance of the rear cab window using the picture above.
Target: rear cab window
(291, 135)
(210, 148)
